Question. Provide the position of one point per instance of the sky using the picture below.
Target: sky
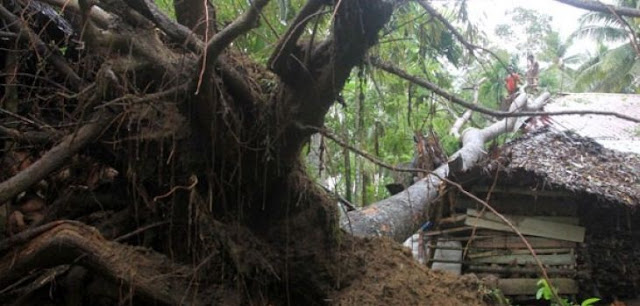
(486, 14)
(489, 13)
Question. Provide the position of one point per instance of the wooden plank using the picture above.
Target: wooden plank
(509, 270)
(528, 286)
(514, 242)
(448, 231)
(551, 260)
(454, 256)
(563, 220)
(473, 255)
(527, 226)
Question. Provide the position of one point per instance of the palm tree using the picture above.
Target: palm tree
(610, 70)
(555, 53)
(614, 69)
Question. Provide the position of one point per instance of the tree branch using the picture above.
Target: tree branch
(182, 35)
(288, 41)
(601, 7)
(54, 158)
(451, 97)
(243, 24)
(455, 129)
(19, 27)
(179, 33)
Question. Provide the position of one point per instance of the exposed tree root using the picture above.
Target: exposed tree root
(149, 276)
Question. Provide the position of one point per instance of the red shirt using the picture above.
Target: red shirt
(512, 81)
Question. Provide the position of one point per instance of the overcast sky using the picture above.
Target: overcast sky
(489, 13)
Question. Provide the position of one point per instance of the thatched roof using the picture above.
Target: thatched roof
(579, 164)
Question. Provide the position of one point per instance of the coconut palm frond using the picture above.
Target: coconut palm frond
(602, 33)
(609, 72)
(599, 18)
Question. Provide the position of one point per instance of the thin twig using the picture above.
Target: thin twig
(326, 133)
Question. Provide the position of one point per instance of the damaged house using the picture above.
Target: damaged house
(574, 200)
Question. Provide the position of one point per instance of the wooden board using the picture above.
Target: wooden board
(528, 286)
(563, 220)
(527, 226)
(453, 257)
(551, 260)
(516, 252)
(514, 242)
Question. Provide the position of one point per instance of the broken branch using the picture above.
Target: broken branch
(467, 114)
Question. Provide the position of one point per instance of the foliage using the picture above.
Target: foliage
(610, 70)
(615, 69)
(167, 7)
(547, 292)
(536, 26)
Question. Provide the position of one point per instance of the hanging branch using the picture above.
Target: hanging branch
(455, 99)
(601, 7)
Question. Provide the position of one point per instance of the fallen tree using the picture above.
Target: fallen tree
(401, 215)
(178, 158)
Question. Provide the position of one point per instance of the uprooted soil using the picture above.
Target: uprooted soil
(389, 275)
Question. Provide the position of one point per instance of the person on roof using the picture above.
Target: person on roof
(511, 83)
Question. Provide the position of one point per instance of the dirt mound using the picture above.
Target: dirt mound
(388, 275)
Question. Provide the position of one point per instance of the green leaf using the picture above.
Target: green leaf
(589, 301)
(539, 293)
